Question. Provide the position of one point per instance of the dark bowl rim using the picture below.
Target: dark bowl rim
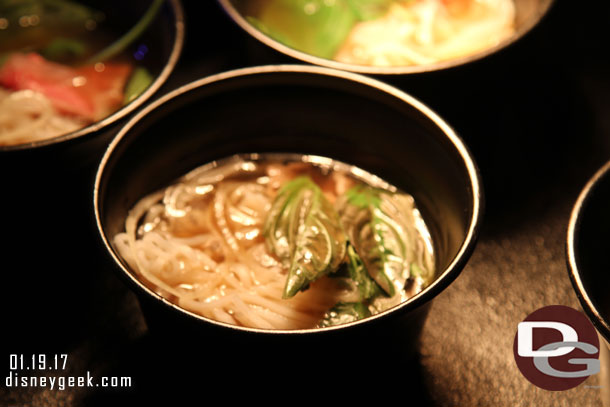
(442, 280)
(236, 16)
(172, 60)
(601, 324)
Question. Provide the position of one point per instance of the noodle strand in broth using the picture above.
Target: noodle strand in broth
(200, 243)
(28, 116)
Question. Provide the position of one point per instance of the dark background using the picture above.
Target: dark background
(534, 116)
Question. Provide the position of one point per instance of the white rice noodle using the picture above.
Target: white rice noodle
(417, 32)
(27, 116)
(244, 285)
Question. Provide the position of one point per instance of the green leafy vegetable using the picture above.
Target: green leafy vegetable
(417, 271)
(369, 9)
(139, 81)
(381, 226)
(354, 272)
(367, 287)
(344, 312)
(316, 27)
(303, 230)
(372, 242)
(64, 48)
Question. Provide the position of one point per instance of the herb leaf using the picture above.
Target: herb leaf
(344, 312)
(303, 230)
(367, 287)
(382, 227)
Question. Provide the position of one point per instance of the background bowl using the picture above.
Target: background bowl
(471, 92)
(587, 247)
(528, 14)
(163, 40)
(300, 109)
(46, 196)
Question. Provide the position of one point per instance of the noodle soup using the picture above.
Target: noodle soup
(313, 112)
(65, 65)
(386, 33)
(279, 242)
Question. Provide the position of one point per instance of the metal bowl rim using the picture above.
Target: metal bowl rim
(601, 324)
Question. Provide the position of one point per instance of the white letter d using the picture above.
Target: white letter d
(525, 338)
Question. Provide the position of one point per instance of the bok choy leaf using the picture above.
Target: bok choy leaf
(317, 27)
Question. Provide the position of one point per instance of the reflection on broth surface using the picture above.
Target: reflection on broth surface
(279, 242)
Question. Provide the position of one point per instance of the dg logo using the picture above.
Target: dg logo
(556, 348)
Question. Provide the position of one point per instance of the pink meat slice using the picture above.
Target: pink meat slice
(90, 92)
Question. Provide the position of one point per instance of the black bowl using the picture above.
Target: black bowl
(46, 187)
(587, 250)
(588, 262)
(461, 90)
(299, 109)
(163, 41)
(528, 14)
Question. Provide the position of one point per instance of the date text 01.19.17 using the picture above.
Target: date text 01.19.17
(41, 361)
